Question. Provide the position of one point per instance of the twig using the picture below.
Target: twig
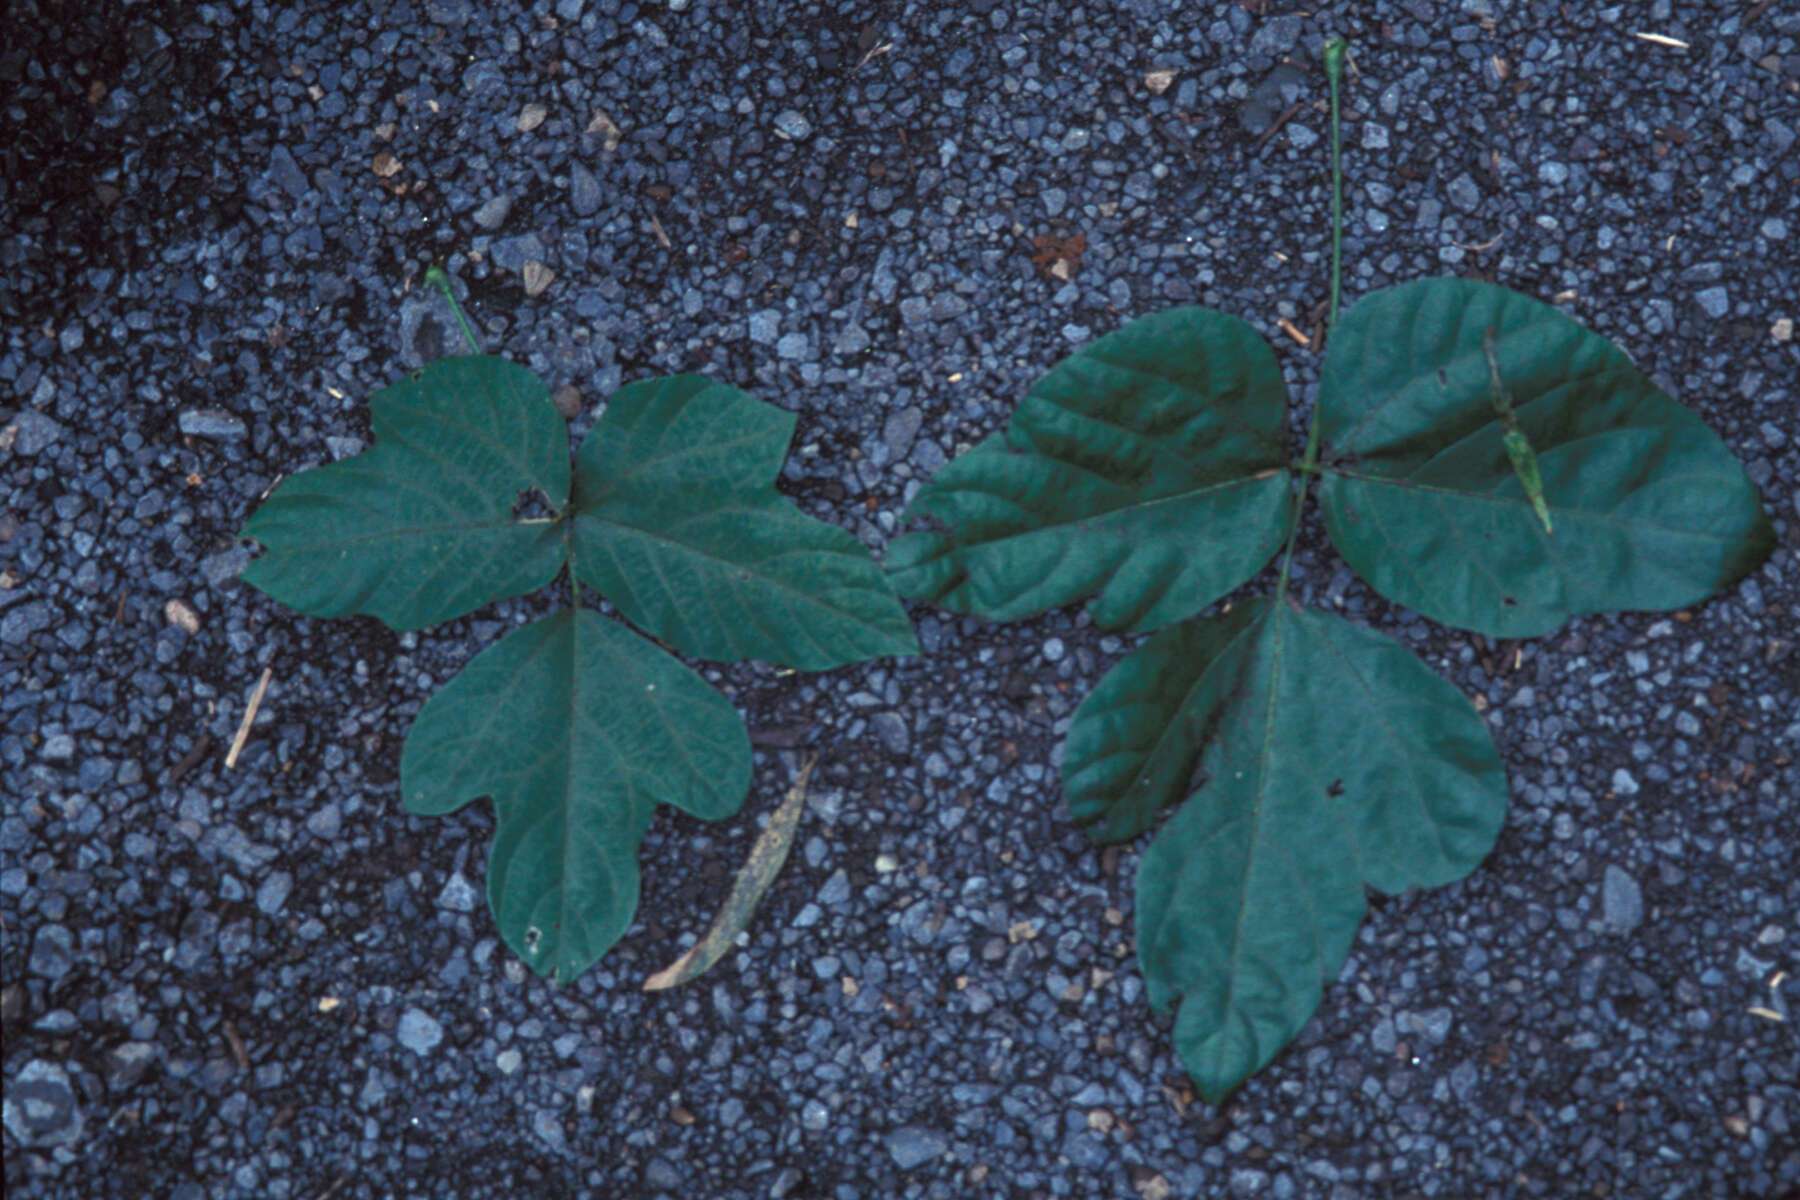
(188, 760)
(236, 1040)
(243, 731)
(1275, 128)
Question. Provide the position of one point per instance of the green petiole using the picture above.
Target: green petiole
(1334, 54)
(1336, 50)
(1518, 446)
(439, 278)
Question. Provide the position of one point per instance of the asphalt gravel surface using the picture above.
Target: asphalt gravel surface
(265, 979)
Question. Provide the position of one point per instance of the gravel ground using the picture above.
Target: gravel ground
(267, 981)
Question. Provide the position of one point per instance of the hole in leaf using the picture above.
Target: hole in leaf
(532, 506)
(533, 935)
(1336, 788)
(1509, 602)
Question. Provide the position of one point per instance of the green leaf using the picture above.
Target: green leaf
(420, 528)
(1145, 471)
(1328, 759)
(678, 523)
(1421, 496)
(577, 728)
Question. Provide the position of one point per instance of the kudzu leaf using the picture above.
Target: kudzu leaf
(678, 523)
(1145, 472)
(1329, 759)
(420, 527)
(577, 728)
(1420, 494)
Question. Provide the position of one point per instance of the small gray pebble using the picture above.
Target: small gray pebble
(288, 175)
(765, 326)
(1621, 901)
(211, 423)
(419, 1032)
(836, 889)
(26, 619)
(791, 124)
(33, 432)
(52, 952)
(549, 1128)
(911, 1146)
(899, 430)
(221, 568)
(457, 894)
(890, 727)
(273, 893)
(853, 340)
(584, 191)
(41, 1107)
(492, 213)
(1715, 301)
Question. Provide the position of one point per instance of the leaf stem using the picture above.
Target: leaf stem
(1335, 50)
(439, 278)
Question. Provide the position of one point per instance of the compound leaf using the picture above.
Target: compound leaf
(1145, 471)
(1428, 503)
(577, 728)
(420, 528)
(678, 523)
(1328, 759)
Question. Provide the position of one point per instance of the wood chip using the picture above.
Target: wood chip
(567, 399)
(385, 165)
(1158, 81)
(531, 116)
(537, 277)
(1657, 39)
(609, 132)
(177, 613)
